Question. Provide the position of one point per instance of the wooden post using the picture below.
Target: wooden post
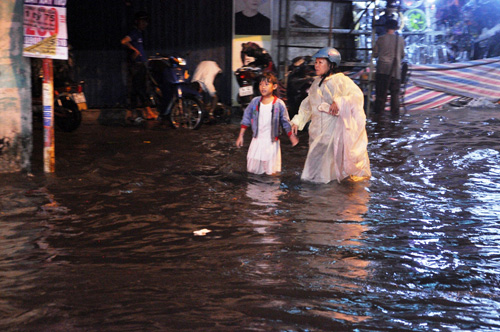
(49, 159)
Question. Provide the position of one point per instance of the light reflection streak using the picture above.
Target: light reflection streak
(332, 227)
(328, 224)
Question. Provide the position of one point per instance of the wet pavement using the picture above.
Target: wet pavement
(155, 229)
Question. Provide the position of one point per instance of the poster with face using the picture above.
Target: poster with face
(252, 17)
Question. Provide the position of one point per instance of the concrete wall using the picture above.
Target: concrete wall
(15, 91)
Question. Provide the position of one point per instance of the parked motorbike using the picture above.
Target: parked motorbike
(69, 101)
(176, 101)
(300, 76)
(246, 76)
(69, 97)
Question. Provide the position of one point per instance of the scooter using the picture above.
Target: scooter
(69, 98)
(69, 101)
(247, 75)
(177, 102)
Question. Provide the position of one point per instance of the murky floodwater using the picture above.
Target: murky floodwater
(163, 230)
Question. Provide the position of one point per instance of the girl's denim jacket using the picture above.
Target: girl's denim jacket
(280, 116)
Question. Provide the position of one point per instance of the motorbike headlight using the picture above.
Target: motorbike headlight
(181, 61)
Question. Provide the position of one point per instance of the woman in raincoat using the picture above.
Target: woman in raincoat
(337, 133)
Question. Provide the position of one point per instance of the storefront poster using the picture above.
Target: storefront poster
(45, 33)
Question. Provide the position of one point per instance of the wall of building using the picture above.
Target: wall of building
(15, 91)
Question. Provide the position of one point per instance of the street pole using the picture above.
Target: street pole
(49, 159)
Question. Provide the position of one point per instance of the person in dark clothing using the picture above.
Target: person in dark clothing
(389, 51)
(137, 61)
(250, 22)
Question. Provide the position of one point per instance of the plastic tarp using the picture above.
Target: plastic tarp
(433, 85)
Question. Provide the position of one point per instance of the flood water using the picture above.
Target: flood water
(151, 229)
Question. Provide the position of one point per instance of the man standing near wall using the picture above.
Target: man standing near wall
(389, 49)
(137, 61)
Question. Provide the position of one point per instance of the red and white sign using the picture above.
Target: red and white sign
(45, 33)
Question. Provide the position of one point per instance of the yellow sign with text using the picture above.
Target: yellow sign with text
(45, 47)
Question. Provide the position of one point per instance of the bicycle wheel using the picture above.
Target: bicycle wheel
(186, 113)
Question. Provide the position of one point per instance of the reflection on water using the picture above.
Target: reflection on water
(329, 231)
(148, 229)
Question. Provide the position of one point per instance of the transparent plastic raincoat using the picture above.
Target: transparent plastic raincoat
(337, 144)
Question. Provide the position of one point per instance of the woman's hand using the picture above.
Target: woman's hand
(334, 109)
(295, 129)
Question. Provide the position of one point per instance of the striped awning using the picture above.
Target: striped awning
(418, 99)
(431, 86)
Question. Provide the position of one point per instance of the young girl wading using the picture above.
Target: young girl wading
(265, 115)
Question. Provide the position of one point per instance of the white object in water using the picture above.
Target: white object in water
(201, 232)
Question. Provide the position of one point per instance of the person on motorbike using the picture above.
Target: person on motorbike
(205, 74)
(137, 61)
(337, 133)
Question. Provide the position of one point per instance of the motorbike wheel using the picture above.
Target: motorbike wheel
(187, 113)
(67, 116)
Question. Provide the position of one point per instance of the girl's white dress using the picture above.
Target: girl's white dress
(264, 153)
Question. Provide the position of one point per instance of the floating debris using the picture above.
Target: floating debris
(202, 232)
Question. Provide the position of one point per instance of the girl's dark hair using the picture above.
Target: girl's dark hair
(269, 77)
